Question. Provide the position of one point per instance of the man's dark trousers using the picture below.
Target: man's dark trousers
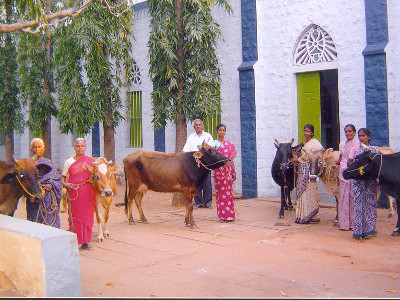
(203, 196)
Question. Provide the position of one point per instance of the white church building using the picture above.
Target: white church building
(283, 64)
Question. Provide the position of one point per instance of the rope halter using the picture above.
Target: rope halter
(17, 176)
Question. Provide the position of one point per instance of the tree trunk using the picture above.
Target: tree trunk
(9, 147)
(46, 132)
(181, 129)
(109, 142)
(46, 127)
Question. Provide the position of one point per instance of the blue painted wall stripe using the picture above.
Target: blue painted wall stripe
(375, 70)
(159, 139)
(96, 140)
(247, 99)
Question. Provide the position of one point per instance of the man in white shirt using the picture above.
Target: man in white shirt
(203, 197)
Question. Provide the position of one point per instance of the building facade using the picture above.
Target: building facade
(283, 64)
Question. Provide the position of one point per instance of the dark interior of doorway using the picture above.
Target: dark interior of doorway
(330, 131)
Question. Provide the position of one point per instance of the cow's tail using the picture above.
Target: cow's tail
(126, 192)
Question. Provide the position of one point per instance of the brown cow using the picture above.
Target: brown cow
(18, 179)
(105, 185)
(167, 173)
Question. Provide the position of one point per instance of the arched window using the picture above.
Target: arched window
(315, 46)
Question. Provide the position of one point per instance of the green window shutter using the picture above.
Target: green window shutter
(211, 122)
(135, 109)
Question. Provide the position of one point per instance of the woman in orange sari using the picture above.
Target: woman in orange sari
(81, 193)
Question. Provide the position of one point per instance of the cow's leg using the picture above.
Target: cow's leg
(189, 211)
(336, 221)
(138, 201)
(391, 210)
(106, 215)
(131, 195)
(290, 205)
(282, 210)
(396, 231)
(100, 220)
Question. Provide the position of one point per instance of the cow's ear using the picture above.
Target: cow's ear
(303, 159)
(43, 169)
(327, 153)
(87, 167)
(297, 148)
(198, 155)
(115, 168)
(8, 178)
(276, 143)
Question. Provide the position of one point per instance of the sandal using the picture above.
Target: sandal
(86, 246)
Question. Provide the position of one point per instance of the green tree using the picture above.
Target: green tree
(11, 117)
(92, 56)
(183, 63)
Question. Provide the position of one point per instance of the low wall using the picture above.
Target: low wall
(38, 260)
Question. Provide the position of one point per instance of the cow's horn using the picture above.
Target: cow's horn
(109, 162)
(292, 141)
(365, 147)
(14, 160)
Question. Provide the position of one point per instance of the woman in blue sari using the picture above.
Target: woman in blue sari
(365, 194)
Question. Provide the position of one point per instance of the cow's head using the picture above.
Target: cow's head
(365, 165)
(285, 152)
(25, 174)
(209, 157)
(317, 160)
(102, 173)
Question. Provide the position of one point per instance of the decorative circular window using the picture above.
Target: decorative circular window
(315, 46)
(135, 74)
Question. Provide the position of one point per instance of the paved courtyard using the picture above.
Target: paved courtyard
(257, 256)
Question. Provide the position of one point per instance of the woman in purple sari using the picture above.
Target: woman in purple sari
(48, 211)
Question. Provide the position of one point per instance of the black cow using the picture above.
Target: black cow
(167, 173)
(283, 172)
(384, 168)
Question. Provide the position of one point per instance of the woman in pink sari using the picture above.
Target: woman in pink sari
(81, 193)
(346, 199)
(224, 178)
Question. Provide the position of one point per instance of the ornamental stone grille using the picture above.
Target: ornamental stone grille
(315, 46)
(135, 74)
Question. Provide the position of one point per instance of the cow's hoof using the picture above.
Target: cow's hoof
(280, 216)
(396, 233)
(193, 226)
(131, 222)
(106, 234)
(145, 221)
(100, 238)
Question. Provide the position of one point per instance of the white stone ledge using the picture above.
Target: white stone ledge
(39, 260)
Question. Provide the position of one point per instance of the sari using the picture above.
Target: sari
(223, 184)
(365, 202)
(48, 210)
(346, 199)
(82, 199)
(308, 197)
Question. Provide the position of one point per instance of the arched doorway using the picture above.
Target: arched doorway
(317, 90)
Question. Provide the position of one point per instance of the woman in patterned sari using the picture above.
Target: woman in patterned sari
(224, 178)
(308, 197)
(81, 193)
(48, 211)
(365, 194)
(346, 199)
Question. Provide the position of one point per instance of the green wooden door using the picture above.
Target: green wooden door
(309, 103)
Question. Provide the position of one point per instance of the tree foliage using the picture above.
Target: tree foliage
(199, 68)
(33, 70)
(92, 53)
(11, 116)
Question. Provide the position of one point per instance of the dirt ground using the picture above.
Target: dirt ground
(259, 255)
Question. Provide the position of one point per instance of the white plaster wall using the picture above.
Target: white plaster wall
(141, 33)
(279, 25)
(229, 52)
(393, 72)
